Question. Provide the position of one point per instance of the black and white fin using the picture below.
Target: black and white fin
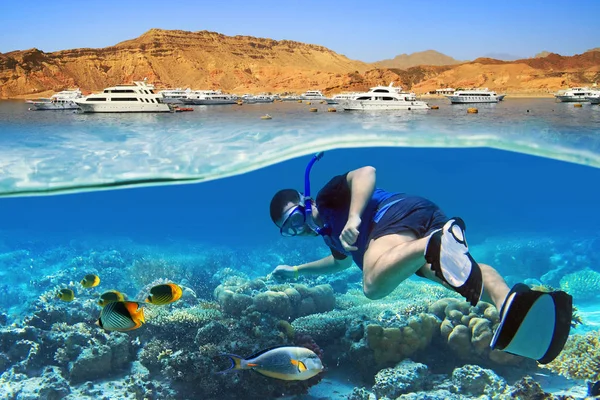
(448, 253)
(534, 324)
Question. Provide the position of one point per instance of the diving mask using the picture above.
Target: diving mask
(296, 219)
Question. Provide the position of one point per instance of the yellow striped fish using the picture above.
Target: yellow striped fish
(110, 297)
(164, 294)
(121, 316)
(65, 294)
(90, 281)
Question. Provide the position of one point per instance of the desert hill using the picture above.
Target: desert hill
(244, 64)
(427, 57)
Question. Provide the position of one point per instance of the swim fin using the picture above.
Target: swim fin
(448, 253)
(534, 324)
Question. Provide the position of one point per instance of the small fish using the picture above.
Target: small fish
(164, 294)
(65, 294)
(109, 297)
(282, 362)
(90, 281)
(121, 316)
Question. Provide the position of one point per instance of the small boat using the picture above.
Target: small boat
(60, 101)
(182, 109)
(266, 116)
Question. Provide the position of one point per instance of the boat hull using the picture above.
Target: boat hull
(571, 99)
(374, 105)
(593, 100)
(38, 106)
(474, 99)
(199, 102)
(122, 107)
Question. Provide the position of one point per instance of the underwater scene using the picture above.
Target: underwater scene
(139, 259)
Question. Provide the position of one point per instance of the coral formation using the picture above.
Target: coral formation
(580, 359)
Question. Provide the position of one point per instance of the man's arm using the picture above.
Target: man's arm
(327, 265)
(362, 184)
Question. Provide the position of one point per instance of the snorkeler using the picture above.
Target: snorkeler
(391, 236)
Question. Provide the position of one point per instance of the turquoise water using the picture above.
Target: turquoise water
(523, 174)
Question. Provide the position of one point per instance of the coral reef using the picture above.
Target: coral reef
(238, 296)
(580, 359)
(583, 285)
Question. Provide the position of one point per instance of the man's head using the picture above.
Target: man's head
(287, 212)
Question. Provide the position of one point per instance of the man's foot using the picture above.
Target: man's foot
(534, 324)
(448, 253)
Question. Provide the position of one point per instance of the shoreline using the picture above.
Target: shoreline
(422, 96)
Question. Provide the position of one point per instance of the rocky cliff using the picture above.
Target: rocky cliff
(244, 64)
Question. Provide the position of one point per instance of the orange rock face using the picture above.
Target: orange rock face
(244, 64)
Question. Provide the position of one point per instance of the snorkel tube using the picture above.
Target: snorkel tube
(308, 201)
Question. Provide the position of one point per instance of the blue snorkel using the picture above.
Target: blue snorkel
(325, 230)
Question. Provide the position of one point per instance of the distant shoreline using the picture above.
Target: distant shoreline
(523, 95)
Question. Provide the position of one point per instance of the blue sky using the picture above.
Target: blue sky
(362, 30)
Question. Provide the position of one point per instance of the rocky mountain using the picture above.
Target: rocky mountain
(542, 54)
(202, 60)
(244, 64)
(428, 57)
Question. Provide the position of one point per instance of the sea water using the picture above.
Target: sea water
(523, 172)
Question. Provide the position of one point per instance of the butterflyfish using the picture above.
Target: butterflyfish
(287, 363)
(90, 281)
(110, 297)
(121, 316)
(65, 294)
(164, 294)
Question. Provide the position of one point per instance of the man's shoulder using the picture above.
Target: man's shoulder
(334, 190)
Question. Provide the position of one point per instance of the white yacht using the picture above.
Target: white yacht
(60, 101)
(291, 98)
(475, 96)
(261, 98)
(594, 98)
(137, 97)
(343, 96)
(315, 95)
(175, 96)
(383, 98)
(575, 94)
(210, 97)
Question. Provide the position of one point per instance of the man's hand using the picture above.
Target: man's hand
(283, 272)
(350, 233)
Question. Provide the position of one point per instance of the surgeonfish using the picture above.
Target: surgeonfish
(65, 294)
(109, 297)
(121, 316)
(90, 281)
(164, 294)
(282, 362)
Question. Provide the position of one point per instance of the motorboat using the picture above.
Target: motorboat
(63, 100)
(315, 95)
(594, 98)
(574, 94)
(260, 98)
(210, 97)
(136, 97)
(175, 96)
(484, 95)
(383, 98)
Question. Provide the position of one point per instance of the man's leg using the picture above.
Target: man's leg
(495, 288)
(389, 260)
